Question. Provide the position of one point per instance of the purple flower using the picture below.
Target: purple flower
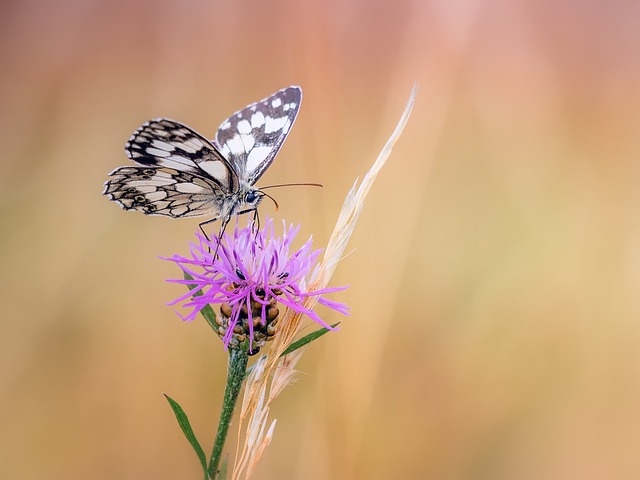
(254, 272)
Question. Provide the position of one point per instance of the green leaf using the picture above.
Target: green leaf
(301, 342)
(307, 339)
(207, 312)
(183, 421)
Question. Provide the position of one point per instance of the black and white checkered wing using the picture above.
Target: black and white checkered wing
(167, 143)
(251, 138)
(180, 173)
(163, 191)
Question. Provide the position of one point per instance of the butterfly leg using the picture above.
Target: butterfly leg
(201, 226)
(223, 227)
(256, 221)
(219, 237)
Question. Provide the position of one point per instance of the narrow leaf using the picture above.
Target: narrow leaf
(183, 421)
(207, 312)
(300, 343)
(307, 339)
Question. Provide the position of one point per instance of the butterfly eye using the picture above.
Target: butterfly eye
(251, 197)
(240, 275)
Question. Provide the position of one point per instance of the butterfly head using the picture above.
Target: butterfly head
(253, 197)
(245, 200)
(249, 198)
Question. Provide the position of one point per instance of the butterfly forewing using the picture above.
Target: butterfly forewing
(251, 137)
(166, 143)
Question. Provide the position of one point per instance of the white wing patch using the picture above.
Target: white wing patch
(216, 170)
(178, 161)
(184, 187)
(244, 127)
(238, 145)
(257, 120)
(257, 156)
(234, 146)
(275, 124)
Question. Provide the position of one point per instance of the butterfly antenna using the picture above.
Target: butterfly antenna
(293, 185)
(271, 198)
(286, 185)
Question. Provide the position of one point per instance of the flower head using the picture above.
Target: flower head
(254, 272)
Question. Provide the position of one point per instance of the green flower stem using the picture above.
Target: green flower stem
(238, 359)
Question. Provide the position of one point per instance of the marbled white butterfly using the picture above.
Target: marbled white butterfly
(179, 173)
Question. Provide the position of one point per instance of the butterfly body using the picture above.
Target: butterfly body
(180, 173)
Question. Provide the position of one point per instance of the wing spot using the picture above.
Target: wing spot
(195, 142)
(217, 170)
(179, 211)
(275, 124)
(156, 152)
(257, 120)
(235, 145)
(244, 126)
(276, 102)
(257, 156)
(160, 132)
(248, 141)
(180, 160)
(188, 188)
(163, 145)
(157, 195)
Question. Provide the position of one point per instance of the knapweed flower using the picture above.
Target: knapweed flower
(254, 272)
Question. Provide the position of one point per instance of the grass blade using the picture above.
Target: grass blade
(185, 426)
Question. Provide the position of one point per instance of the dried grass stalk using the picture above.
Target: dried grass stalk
(272, 373)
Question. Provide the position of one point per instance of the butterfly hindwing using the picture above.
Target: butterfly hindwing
(170, 144)
(163, 191)
(251, 137)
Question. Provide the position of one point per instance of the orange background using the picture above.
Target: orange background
(495, 270)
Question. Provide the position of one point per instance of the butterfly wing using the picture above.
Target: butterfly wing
(180, 173)
(164, 191)
(167, 143)
(251, 138)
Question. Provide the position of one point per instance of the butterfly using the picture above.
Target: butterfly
(180, 173)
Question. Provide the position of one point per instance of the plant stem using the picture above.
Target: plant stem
(238, 359)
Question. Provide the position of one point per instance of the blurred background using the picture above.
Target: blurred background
(494, 272)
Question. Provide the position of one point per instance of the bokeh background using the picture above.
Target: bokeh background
(494, 273)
